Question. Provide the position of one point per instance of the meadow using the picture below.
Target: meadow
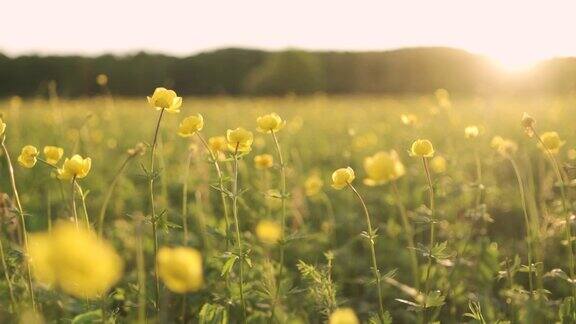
(279, 238)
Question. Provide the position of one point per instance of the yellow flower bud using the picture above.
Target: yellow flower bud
(2, 127)
(269, 123)
(190, 125)
(471, 132)
(263, 161)
(269, 232)
(342, 177)
(438, 164)
(181, 269)
(343, 316)
(27, 157)
(102, 79)
(551, 141)
(75, 167)
(163, 98)
(53, 154)
(239, 140)
(383, 167)
(422, 148)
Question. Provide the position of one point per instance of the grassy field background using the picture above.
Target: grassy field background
(322, 133)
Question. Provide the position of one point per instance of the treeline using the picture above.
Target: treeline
(236, 71)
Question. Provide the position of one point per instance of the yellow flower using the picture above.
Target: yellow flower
(181, 269)
(263, 161)
(313, 185)
(28, 156)
(102, 79)
(165, 99)
(75, 260)
(383, 167)
(443, 98)
(239, 140)
(190, 125)
(438, 164)
(75, 167)
(269, 123)
(409, 119)
(53, 154)
(503, 146)
(551, 141)
(471, 132)
(422, 148)
(269, 232)
(342, 177)
(2, 127)
(343, 316)
(217, 144)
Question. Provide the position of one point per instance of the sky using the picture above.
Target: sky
(514, 33)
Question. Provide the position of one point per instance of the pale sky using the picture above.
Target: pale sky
(515, 33)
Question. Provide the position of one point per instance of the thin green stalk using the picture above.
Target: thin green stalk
(568, 229)
(432, 232)
(109, 192)
(526, 220)
(283, 193)
(7, 277)
(408, 230)
(83, 199)
(478, 181)
(371, 236)
(153, 209)
(73, 201)
(220, 183)
(22, 219)
(238, 236)
(185, 198)
(141, 271)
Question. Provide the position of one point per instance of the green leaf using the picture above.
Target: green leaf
(228, 265)
(213, 314)
(88, 317)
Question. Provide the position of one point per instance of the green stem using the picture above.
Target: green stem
(153, 209)
(141, 270)
(409, 235)
(73, 201)
(432, 230)
(109, 192)
(568, 228)
(84, 208)
(283, 223)
(526, 220)
(371, 235)
(22, 219)
(238, 236)
(185, 200)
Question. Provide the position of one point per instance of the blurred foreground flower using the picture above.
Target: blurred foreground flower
(27, 157)
(163, 98)
(438, 164)
(74, 260)
(269, 232)
(383, 167)
(343, 316)
(181, 269)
